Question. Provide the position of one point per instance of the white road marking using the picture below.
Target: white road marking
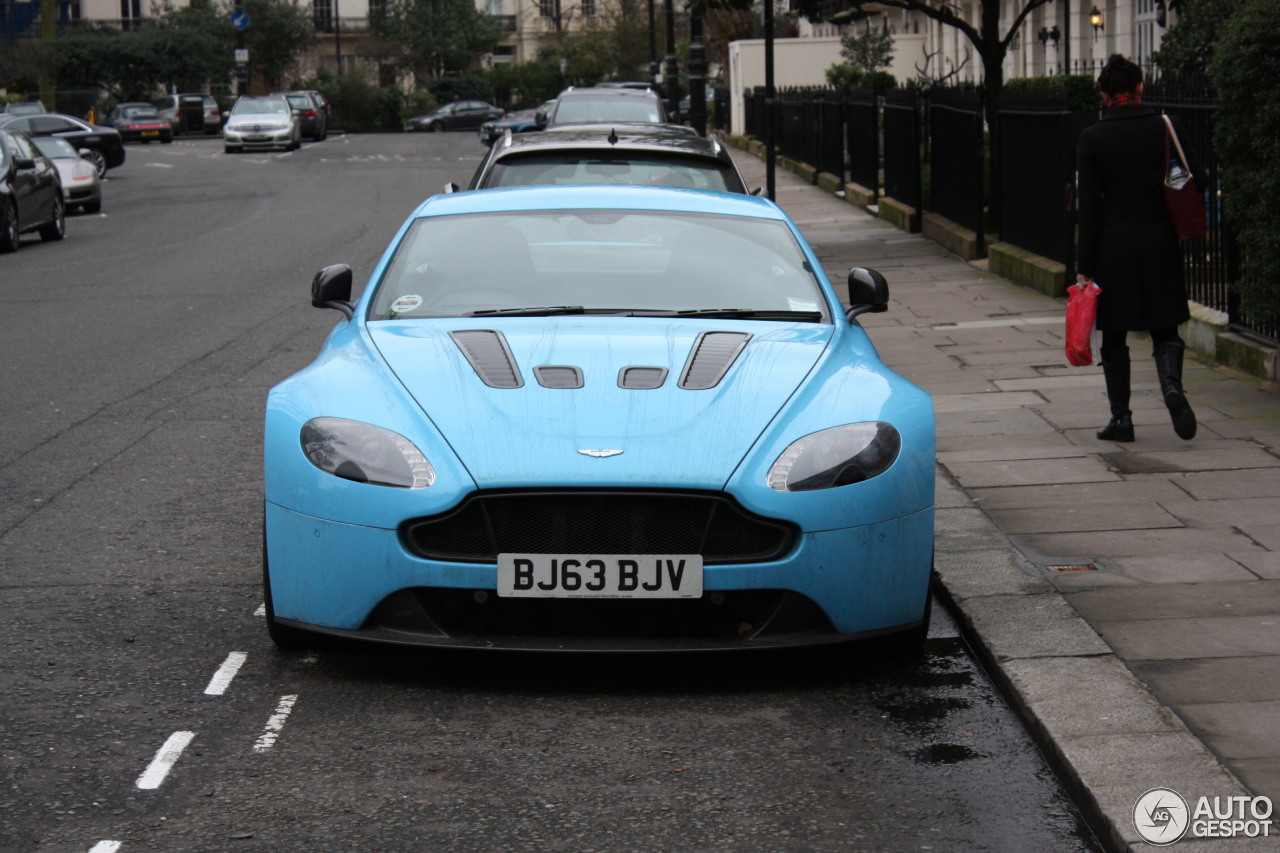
(261, 611)
(222, 678)
(160, 165)
(164, 760)
(275, 724)
(105, 847)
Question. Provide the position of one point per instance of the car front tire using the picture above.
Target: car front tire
(92, 206)
(437, 127)
(9, 237)
(98, 160)
(56, 228)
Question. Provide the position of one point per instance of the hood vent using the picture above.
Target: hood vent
(490, 356)
(642, 378)
(558, 377)
(712, 356)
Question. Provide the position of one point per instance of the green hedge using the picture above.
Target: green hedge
(1075, 92)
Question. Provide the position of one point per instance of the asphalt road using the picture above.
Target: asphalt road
(143, 708)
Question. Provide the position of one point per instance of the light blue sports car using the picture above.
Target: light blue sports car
(598, 418)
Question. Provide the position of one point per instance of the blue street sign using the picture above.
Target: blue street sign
(239, 19)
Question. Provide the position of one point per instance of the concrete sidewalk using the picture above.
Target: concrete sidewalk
(1128, 595)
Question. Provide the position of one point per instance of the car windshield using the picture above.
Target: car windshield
(597, 261)
(603, 168)
(591, 110)
(259, 106)
(55, 147)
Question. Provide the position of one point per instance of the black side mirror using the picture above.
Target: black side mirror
(331, 288)
(451, 187)
(868, 292)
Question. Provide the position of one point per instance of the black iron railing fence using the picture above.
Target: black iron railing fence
(927, 151)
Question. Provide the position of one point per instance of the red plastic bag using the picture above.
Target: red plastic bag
(1082, 315)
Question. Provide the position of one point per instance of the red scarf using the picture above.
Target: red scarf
(1122, 100)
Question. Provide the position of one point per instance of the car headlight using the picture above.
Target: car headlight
(365, 454)
(836, 457)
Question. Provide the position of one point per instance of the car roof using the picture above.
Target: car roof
(607, 93)
(598, 197)
(595, 137)
(626, 127)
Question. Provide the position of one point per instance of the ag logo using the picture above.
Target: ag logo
(1161, 816)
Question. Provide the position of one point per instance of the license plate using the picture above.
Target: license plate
(600, 575)
(150, 133)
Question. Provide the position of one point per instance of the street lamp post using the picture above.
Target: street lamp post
(671, 79)
(697, 70)
(653, 46)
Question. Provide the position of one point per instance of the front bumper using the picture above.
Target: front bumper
(278, 138)
(833, 586)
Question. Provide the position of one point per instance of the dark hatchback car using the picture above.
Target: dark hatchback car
(459, 115)
(598, 156)
(30, 192)
(605, 105)
(104, 146)
(139, 122)
(312, 112)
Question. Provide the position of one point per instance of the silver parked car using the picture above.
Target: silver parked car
(262, 123)
(80, 185)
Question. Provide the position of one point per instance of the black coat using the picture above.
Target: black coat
(1127, 241)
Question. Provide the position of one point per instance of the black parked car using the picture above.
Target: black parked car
(139, 122)
(312, 112)
(459, 115)
(30, 192)
(106, 150)
(519, 121)
(600, 156)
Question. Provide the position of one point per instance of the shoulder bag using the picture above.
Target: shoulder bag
(1181, 195)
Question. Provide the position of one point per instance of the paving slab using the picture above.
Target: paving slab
(1181, 601)
(1207, 681)
(1085, 517)
(1164, 569)
(1022, 472)
(1184, 639)
(1114, 491)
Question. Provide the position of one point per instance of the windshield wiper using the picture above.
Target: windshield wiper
(746, 313)
(545, 311)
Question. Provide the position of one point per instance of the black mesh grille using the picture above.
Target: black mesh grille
(598, 522)
(737, 616)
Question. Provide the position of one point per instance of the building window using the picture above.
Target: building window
(377, 11)
(130, 14)
(322, 15)
(547, 8)
(589, 8)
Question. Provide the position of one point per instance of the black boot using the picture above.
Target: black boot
(1168, 356)
(1115, 369)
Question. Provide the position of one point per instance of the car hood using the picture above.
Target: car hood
(258, 118)
(669, 436)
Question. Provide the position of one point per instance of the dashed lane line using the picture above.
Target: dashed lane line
(222, 678)
(275, 724)
(168, 755)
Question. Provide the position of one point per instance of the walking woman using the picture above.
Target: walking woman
(1128, 244)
